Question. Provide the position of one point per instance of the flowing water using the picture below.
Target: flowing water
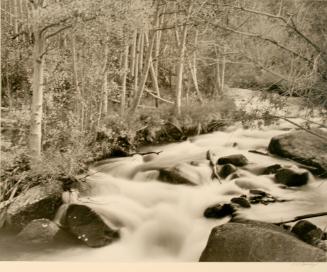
(164, 222)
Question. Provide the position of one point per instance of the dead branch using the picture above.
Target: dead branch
(288, 21)
(158, 97)
(259, 152)
(299, 126)
(146, 153)
(297, 218)
(259, 36)
(210, 156)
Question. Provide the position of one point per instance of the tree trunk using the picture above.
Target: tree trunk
(8, 90)
(37, 98)
(123, 93)
(153, 74)
(179, 72)
(194, 74)
(180, 64)
(217, 79)
(217, 83)
(141, 52)
(223, 73)
(144, 77)
(159, 22)
(79, 99)
(136, 72)
(133, 53)
(105, 82)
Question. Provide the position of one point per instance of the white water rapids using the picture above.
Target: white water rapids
(165, 222)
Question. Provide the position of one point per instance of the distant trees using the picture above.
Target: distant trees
(83, 57)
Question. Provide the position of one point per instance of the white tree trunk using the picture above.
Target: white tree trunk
(133, 53)
(179, 72)
(180, 64)
(144, 77)
(105, 82)
(35, 137)
(123, 93)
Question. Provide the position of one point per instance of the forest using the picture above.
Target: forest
(86, 81)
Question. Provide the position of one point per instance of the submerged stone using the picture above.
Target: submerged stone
(235, 159)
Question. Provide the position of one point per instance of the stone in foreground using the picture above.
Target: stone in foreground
(310, 233)
(237, 242)
(302, 147)
(41, 201)
(39, 231)
(89, 227)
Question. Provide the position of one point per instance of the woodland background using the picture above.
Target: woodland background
(83, 80)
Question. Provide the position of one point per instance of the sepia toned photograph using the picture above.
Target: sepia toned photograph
(163, 131)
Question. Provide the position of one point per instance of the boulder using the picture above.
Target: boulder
(235, 159)
(41, 201)
(292, 176)
(89, 227)
(39, 231)
(241, 242)
(219, 211)
(226, 170)
(302, 147)
(310, 233)
(242, 201)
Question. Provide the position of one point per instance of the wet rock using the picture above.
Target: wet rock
(226, 170)
(185, 173)
(242, 201)
(259, 196)
(149, 175)
(41, 201)
(239, 242)
(302, 147)
(219, 211)
(258, 192)
(261, 224)
(89, 227)
(292, 176)
(272, 169)
(235, 159)
(309, 233)
(39, 231)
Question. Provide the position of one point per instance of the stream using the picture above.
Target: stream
(162, 222)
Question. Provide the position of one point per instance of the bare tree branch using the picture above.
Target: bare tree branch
(289, 22)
